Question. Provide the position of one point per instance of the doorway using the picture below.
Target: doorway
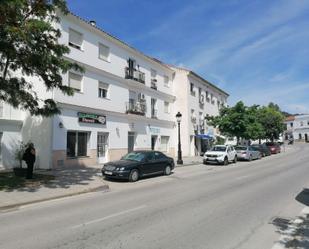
(131, 141)
(102, 147)
(153, 142)
(306, 137)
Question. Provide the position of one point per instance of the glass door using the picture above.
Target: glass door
(102, 147)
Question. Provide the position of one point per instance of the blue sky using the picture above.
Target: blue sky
(256, 50)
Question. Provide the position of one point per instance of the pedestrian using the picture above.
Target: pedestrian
(29, 158)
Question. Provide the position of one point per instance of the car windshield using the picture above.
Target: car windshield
(134, 156)
(219, 148)
(240, 148)
(270, 144)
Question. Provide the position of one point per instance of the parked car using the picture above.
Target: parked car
(220, 154)
(273, 147)
(248, 153)
(263, 149)
(137, 164)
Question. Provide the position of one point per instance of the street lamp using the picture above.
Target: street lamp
(178, 118)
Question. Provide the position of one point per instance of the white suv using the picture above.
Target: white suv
(221, 154)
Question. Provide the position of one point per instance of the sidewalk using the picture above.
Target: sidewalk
(187, 161)
(66, 182)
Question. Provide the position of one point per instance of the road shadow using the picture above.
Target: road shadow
(144, 178)
(295, 232)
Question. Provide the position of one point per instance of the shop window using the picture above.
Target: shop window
(1, 109)
(77, 143)
(1, 135)
(164, 143)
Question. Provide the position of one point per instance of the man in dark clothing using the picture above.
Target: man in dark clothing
(29, 158)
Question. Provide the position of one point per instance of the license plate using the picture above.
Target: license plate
(211, 159)
(108, 173)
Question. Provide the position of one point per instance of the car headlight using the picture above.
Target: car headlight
(120, 168)
(220, 155)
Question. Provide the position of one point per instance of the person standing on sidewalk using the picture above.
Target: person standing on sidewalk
(29, 158)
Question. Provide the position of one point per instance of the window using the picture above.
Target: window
(77, 143)
(103, 90)
(75, 39)
(164, 143)
(207, 96)
(166, 81)
(1, 109)
(291, 124)
(103, 52)
(301, 123)
(192, 89)
(153, 73)
(75, 81)
(1, 135)
(166, 107)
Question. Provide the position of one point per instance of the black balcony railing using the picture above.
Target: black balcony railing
(136, 107)
(133, 74)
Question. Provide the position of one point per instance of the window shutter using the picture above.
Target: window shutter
(75, 37)
(103, 85)
(103, 52)
(75, 80)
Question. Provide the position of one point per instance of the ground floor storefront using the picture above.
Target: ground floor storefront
(84, 138)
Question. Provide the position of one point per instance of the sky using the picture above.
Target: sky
(256, 50)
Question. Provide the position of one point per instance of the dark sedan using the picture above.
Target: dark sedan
(137, 164)
(273, 147)
(262, 148)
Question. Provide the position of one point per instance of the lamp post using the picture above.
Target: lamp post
(178, 118)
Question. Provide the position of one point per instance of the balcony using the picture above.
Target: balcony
(154, 113)
(154, 84)
(133, 74)
(136, 107)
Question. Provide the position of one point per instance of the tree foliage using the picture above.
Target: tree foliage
(252, 122)
(30, 53)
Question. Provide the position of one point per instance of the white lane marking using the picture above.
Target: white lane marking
(109, 216)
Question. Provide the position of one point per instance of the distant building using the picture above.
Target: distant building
(297, 127)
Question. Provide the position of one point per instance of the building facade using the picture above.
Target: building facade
(195, 99)
(297, 128)
(123, 101)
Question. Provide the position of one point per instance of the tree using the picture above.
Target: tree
(272, 122)
(231, 121)
(29, 51)
(254, 128)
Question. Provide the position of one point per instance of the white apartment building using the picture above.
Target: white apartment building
(123, 101)
(195, 99)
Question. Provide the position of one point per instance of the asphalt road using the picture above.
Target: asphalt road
(196, 207)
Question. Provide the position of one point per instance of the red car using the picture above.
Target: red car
(273, 147)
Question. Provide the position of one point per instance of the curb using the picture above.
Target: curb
(104, 188)
(188, 164)
(280, 244)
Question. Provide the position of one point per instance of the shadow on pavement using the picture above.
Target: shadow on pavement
(295, 232)
(58, 178)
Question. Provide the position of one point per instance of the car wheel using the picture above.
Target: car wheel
(226, 161)
(167, 170)
(134, 175)
(235, 159)
(250, 158)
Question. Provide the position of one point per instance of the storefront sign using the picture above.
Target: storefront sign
(91, 118)
(154, 130)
